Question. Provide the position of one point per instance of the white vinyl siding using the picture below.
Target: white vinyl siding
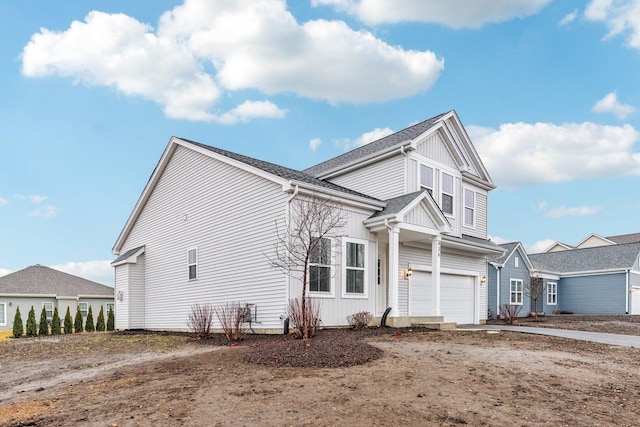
(230, 216)
(3, 314)
(383, 179)
(122, 297)
(515, 294)
(552, 293)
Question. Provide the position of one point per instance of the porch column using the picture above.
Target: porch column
(394, 250)
(436, 242)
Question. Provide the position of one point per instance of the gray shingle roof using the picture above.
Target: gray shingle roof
(624, 238)
(281, 171)
(588, 259)
(508, 247)
(373, 147)
(126, 255)
(39, 279)
(396, 204)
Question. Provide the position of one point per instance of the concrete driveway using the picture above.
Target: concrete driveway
(611, 339)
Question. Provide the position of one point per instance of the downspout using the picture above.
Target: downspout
(288, 280)
(626, 294)
(497, 291)
(406, 168)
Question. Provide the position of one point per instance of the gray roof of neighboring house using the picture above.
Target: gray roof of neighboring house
(508, 247)
(42, 280)
(624, 238)
(281, 171)
(387, 142)
(588, 259)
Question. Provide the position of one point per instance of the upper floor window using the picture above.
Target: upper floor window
(48, 308)
(355, 268)
(469, 207)
(447, 193)
(426, 178)
(192, 263)
(320, 266)
(552, 293)
(516, 292)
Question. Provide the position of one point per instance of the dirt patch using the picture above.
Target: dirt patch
(625, 325)
(415, 378)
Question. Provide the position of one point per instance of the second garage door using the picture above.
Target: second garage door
(457, 298)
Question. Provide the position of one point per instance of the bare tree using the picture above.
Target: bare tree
(534, 289)
(305, 238)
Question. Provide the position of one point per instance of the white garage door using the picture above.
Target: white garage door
(420, 294)
(457, 298)
(635, 300)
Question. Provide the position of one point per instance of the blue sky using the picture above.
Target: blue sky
(92, 91)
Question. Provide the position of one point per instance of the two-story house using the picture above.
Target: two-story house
(415, 204)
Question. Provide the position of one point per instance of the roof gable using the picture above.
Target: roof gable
(511, 250)
(41, 280)
(593, 240)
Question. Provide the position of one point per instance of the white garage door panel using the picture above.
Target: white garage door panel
(457, 298)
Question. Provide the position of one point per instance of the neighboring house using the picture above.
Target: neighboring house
(602, 279)
(43, 287)
(416, 208)
(595, 240)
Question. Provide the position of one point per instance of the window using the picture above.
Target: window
(516, 262)
(48, 307)
(109, 306)
(192, 263)
(3, 313)
(84, 308)
(552, 293)
(469, 207)
(320, 266)
(516, 292)
(355, 268)
(426, 178)
(447, 193)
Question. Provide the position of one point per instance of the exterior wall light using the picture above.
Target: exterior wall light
(409, 273)
(483, 280)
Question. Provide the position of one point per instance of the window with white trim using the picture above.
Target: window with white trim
(48, 308)
(469, 207)
(447, 194)
(320, 266)
(192, 263)
(109, 306)
(516, 292)
(426, 178)
(355, 272)
(516, 262)
(3, 313)
(84, 308)
(552, 293)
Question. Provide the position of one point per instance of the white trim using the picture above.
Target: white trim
(3, 322)
(365, 293)
(521, 292)
(555, 293)
(196, 264)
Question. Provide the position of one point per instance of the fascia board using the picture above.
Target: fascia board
(475, 157)
(470, 246)
(96, 296)
(14, 295)
(593, 272)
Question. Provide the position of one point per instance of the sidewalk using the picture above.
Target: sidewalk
(611, 339)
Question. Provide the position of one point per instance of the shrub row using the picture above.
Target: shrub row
(69, 326)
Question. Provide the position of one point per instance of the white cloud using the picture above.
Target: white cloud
(4, 272)
(569, 18)
(519, 154)
(452, 13)
(45, 212)
(3, 201)
(610, 104)
(562, 211)
(251, 110)
(539, 246)
(98, 271)
(374, 135)
(620, 17)
(314, 144)
(37, 199)
(248, 44)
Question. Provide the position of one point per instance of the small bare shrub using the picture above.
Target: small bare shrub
(360, 319)
(231, 317)
(312, 317)
(200, 320)
(509, 312)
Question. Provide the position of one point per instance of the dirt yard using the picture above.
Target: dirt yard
(413, 377)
